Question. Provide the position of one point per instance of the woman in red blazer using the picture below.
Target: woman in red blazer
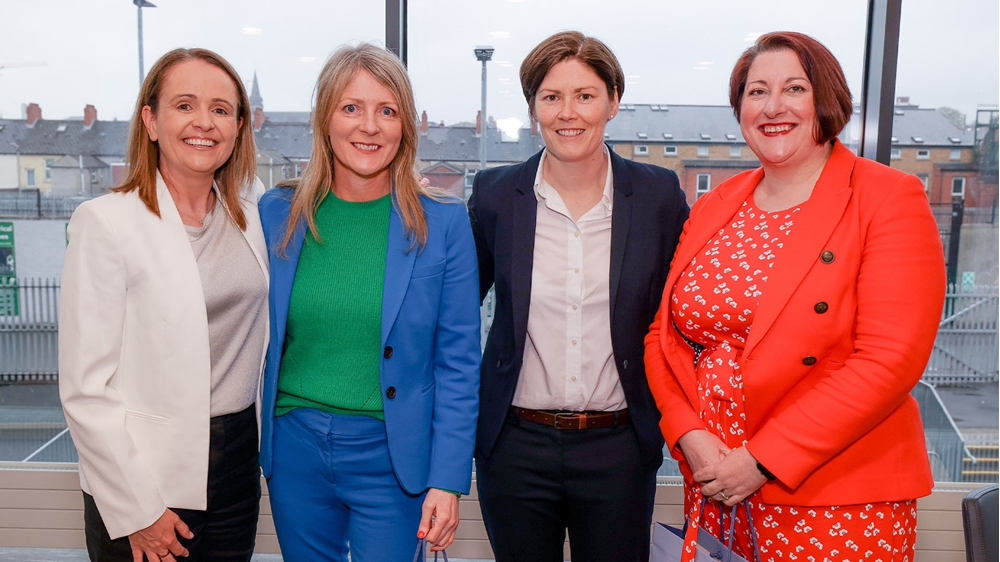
(835, 263)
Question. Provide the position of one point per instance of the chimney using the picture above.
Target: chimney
(534, 126)
(258, 118)
(34, 113)
(479, 123)
(423, 123)
(903, 100)
(89, 116)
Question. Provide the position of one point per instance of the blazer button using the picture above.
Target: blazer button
(387, 353)
(827, 256)
(625, 364)
(499, 362)
(807, 360)
(390, 392)
(821, 307)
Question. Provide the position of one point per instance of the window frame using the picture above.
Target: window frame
(640, 150)
(698, 191)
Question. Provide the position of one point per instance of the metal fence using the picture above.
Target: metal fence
(29, 330)
(34, 205)
(966, 346)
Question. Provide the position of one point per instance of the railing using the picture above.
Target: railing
(945, 444)
(970, 215)
(29, 330)
(34, 205)
(966, 346)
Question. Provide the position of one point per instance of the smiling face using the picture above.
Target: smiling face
(778, 112)
(365, 132)
(572, 106)
(195, 124)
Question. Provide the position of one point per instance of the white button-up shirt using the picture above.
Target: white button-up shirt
(568, 360)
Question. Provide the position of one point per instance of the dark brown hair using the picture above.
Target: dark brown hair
(570, 45)
(831, 96)
(142, 154)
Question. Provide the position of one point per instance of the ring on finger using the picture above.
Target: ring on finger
(724, 496)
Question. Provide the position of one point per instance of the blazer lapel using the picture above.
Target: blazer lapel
(709, 216)
(813, 226)
(621, 217)
(283, 275)
(398, 267)
(525, 214)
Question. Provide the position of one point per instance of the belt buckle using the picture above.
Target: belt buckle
(570, 420)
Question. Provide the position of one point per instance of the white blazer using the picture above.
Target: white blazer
(134, 360)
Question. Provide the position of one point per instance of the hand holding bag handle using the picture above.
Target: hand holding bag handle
(418, 556)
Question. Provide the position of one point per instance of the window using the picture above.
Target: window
(958, 187)
(895, 153)
(956, 154)
(48, 168)
(925, 180)
(470, 176)
(923, 154)
(640, 150)
(735, 151)
(704, 184)
(703, 151)
(93, 176)
(670, 150)
(30, 177)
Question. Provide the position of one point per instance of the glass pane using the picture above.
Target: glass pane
(945, 133)
(676, 56)
(677, 72)
(87, 67)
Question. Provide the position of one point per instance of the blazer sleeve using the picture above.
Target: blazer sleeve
(457, 355)
(484, 250)
(900, 292)
(91, 320)
(677, 414)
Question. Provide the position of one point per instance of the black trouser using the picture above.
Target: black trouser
(226, 531)
(541, 482)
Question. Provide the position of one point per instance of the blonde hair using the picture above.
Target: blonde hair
(314, 185)
(142, 154)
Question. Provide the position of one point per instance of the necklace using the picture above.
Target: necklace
(201, 221)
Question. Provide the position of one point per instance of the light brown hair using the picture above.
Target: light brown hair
(570, 45)
(142, 154)
(831, 96)
(317, 179)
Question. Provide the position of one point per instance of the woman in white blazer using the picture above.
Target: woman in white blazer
(163, 326)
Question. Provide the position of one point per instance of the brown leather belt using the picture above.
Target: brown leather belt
(574, 420)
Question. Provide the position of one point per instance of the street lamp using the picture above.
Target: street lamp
(140, 4)
(483, 54)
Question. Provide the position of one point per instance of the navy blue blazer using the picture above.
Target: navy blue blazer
(430, 339)
(649, 212)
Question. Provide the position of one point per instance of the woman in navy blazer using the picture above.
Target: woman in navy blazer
(374, 477)
(576, 241)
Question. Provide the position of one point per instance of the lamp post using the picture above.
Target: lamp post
(483, 54)
(140, 4)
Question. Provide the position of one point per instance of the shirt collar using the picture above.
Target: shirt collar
(542, 187)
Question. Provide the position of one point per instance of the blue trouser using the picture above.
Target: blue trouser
(332, 485)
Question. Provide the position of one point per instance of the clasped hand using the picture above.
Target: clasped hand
(726, 475)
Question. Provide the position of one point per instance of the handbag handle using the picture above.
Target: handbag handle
(732, 528)
(421, 547)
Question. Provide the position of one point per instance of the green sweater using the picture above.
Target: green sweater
(333, 342)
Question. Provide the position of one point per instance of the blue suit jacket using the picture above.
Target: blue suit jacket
(649, 211)
(430, 339)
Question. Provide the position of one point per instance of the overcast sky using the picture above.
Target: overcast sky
(64, 54)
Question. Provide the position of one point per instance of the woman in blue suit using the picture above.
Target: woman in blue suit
(372, 373)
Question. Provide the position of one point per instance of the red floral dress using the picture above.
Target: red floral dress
(713, 306)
